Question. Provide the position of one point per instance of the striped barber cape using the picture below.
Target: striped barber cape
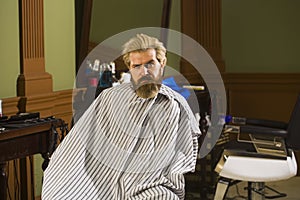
(126, 147)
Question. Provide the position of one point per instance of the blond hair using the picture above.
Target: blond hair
(142, 42)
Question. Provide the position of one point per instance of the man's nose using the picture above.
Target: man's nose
(144, 70)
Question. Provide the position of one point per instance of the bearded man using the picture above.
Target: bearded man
(135, 141)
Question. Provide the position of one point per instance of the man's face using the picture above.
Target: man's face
(146, 72)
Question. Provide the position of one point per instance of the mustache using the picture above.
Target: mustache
(145, 78)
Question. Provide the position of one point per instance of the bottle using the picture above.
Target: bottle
(115, 81)
(92, 73)
(96, 65)
(106, 76)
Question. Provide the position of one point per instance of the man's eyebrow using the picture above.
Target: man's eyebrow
(150, 61)
(136, 65)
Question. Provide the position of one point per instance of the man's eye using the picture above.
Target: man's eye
(146, 65)
(149, 65)
(137, 66)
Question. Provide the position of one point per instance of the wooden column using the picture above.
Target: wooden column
(83, 13)
(201, 20)
(34, 85)
(33, 79)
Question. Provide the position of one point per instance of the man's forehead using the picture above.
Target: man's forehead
(142, 54)
(143, 50)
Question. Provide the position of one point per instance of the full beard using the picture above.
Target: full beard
(149, 89)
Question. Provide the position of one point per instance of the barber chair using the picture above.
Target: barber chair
(262, 152)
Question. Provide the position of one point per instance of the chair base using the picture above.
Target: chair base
(255, 190)
(262, 189)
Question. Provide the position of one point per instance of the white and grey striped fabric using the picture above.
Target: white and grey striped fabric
(126, 147)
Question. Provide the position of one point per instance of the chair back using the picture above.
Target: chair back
(293, 138)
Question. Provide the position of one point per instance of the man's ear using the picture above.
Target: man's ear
(163, 62)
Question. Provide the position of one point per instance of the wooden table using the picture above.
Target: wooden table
(25, 139)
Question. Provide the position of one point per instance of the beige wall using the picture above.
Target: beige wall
(261, 36)
(9, 48)
(60, 42)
